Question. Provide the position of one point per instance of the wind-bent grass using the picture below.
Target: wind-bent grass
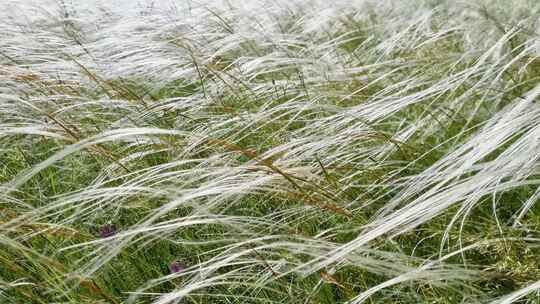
(280, 151)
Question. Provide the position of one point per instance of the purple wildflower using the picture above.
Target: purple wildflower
(177, 267)
(106, 231)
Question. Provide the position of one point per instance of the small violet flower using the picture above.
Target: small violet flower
(177, 267)
(106, 231)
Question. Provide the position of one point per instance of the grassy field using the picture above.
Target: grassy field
(269, 151)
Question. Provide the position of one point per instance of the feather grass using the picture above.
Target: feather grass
(283, 151)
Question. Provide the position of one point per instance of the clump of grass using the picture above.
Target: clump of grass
(270, 151)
